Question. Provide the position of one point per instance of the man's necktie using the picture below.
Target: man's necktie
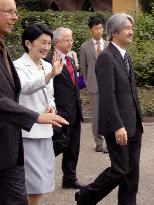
(5, 57)
(98, 47)
(70, 68)
(126, 62)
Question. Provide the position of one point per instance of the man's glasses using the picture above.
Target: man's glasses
(10, 12)
(68, 40)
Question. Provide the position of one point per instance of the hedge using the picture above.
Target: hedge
(142, 49)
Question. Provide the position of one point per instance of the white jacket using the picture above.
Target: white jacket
(35, 93)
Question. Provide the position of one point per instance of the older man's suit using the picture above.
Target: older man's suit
(88, 57)
(13, 118)
(118, 107)
(68, 105)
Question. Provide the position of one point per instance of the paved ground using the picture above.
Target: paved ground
(92, 163)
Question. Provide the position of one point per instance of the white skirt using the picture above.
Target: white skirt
(39, 165)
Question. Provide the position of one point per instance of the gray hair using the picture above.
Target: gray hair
(116, 23)
(60, 33)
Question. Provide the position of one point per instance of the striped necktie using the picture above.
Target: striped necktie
(126, 61)
(98, 47)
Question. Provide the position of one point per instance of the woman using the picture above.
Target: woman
(36, 78)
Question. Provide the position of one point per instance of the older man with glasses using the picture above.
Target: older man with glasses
(67, 99)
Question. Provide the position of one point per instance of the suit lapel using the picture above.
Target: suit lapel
(6, 72)
(65, 73)
(92, 48)
(132, 75)
(29, 64)
(119, 58)
(16, 82)
(106, 43)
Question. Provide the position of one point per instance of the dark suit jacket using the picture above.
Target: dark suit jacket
(118, 99)
(67, 97)
(49, 56)
(13, 118)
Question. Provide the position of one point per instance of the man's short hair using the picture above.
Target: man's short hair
(95, 20)
(116, 23)
(59, 33)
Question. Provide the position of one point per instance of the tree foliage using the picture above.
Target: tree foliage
(142, 49)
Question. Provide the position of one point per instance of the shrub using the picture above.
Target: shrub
(142, 54)
(142, 49)
(77, 21)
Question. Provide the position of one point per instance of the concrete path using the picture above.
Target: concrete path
(92, 163)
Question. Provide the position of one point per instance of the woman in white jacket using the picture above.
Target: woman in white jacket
(37, 92)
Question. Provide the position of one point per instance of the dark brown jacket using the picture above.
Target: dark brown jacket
(13, 118)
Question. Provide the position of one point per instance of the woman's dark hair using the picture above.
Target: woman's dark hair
(95, 20)
(33, 32)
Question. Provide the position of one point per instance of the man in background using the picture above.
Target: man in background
(89, 52)
(68, 104)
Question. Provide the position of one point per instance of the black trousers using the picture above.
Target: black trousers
(70, 156)
(124, 172)
(12, 186)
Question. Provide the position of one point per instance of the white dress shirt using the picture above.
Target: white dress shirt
(121, 50)
(101, 43)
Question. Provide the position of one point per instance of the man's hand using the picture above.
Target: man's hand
(51, 118)
(121, 136)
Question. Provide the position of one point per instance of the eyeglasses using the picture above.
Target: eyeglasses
(10, 12)
(68, 40)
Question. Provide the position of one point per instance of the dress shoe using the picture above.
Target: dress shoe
(80, 201)
(105, 150)
(99, 149)
(77, 198)
(72, 185)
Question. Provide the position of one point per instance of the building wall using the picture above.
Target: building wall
(124, 5)
(70, 5)
(102, 4)
(110, 5)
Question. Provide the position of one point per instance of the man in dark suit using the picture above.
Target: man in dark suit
(13, 118)
(120, 118)
(68, 105)
(89, 53)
